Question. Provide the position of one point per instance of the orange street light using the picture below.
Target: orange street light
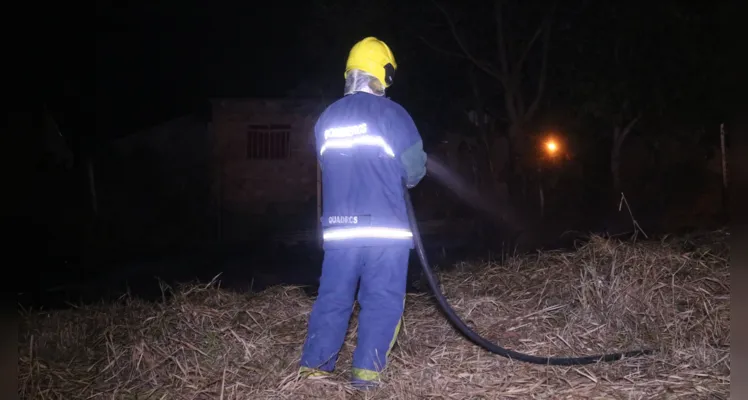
(551, 147)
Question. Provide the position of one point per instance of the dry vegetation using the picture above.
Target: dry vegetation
(205, 343)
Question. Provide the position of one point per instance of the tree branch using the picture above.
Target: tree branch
(443, 51)
(500, 38)
(509, 103)
(523, 57)
(544, 63)
(626, 130)
(520, 102)
(487, 68)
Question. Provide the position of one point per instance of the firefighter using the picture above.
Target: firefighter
(367, 146)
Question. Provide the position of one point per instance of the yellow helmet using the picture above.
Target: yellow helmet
(372, 56)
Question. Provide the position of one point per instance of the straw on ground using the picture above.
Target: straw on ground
(206, 343)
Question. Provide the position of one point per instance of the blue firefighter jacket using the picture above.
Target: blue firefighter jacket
(367, 146)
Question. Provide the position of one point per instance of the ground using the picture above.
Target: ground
(670, 295)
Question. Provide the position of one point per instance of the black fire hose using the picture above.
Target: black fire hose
(479, 340)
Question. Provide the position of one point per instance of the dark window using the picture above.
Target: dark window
(268, 142)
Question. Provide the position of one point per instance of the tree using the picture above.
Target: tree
(509, 72)
(634, 69)
(617, 105)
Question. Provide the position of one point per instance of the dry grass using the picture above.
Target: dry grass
(206, 343)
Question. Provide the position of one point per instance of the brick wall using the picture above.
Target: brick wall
(265, 164)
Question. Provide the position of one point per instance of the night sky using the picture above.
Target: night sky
(154, 61)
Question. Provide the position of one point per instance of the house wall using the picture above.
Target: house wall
(260, 193)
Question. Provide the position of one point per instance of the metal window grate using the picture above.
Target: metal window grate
(268, 142)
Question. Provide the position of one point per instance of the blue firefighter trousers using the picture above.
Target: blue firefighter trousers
(382, 272)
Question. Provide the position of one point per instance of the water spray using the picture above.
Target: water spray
(501, 213)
